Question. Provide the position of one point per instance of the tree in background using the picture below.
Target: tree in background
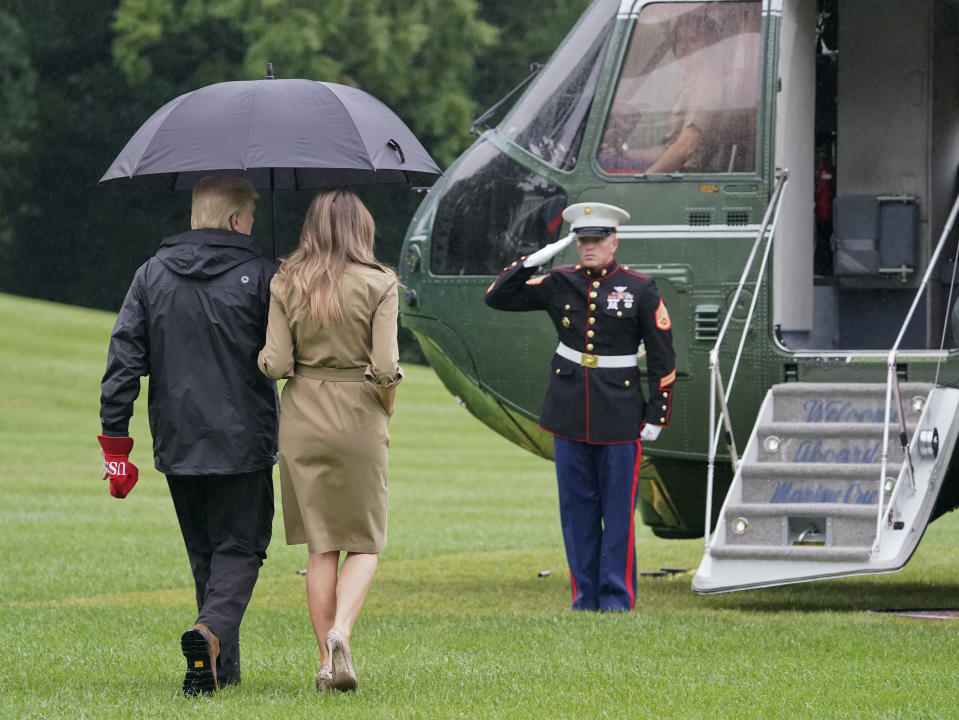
(529, 32)
(71, 241)
(18, 86)
(415, 55)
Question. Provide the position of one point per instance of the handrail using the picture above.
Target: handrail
(892, 382)
(716, 389)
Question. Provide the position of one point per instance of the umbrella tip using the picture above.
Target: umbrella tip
(269, 71)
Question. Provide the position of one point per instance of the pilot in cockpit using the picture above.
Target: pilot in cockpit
(650, 133)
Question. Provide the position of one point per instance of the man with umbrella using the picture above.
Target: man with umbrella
(193, 320)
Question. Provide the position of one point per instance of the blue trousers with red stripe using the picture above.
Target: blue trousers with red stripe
(597, 499)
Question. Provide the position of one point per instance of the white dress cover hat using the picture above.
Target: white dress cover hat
(594, 219)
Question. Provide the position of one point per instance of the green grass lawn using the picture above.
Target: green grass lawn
(95, 592)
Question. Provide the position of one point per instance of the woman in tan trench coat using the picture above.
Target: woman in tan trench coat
(332, 333)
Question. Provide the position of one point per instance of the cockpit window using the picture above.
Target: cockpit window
(550, 117)
(492, 211)
(687, 96)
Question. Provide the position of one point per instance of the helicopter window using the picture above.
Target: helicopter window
(492, 211)
(687, 96)
(550, 117)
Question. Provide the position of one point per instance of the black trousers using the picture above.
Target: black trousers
(226, 522)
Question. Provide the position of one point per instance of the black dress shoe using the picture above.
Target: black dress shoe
(200, 648)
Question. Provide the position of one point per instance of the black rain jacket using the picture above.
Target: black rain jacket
(194, 320)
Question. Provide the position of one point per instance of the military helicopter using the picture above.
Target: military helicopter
(804, 249)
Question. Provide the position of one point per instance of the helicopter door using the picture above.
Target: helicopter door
(866, 125)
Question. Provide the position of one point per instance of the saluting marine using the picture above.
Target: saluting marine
(594, 405)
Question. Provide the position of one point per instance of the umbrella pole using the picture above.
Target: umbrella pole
(269, 76)
(273, 215)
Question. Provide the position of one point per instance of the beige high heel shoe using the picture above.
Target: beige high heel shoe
(344, 677)
(324, 678)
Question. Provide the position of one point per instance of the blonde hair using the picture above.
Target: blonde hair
(217, 197)
(338, 230)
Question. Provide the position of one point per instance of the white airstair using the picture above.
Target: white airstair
(836, 479)
(805, 501)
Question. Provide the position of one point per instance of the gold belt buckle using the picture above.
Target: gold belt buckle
(590, 361)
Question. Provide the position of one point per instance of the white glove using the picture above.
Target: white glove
(650, 432)
(546, 253)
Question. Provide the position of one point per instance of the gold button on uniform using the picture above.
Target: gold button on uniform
(664, 407)
(565, 322)
(604, 272)
(566, 308)
(626, 383)
(662, 419)
(665, 394)
(592, 306)
(592, 294)
(595, 283)
(589, 346)
(557, 371)
(592, 321)
(590, 333)
(619, 313)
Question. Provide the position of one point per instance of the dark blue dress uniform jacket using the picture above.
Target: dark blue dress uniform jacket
(600, 312)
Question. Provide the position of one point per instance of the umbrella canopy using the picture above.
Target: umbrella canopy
(279, 134)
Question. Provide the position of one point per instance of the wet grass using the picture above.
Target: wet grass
(94, 592)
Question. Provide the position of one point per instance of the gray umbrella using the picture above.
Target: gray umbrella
(280, 134)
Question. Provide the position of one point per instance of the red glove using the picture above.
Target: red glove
(123, 474)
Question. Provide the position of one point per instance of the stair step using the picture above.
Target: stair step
(795, 552)
(850, 471)
(836, 510)
(842, 402)
(836, 443)
(851, 430)
(777, 483)
(784, 524)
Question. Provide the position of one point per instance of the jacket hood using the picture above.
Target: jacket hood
(206, 253)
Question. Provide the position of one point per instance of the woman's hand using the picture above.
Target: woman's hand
(387, 398)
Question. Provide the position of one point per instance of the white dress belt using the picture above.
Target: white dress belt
(602, 361)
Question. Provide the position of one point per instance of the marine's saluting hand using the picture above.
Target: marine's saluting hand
(548, 252)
